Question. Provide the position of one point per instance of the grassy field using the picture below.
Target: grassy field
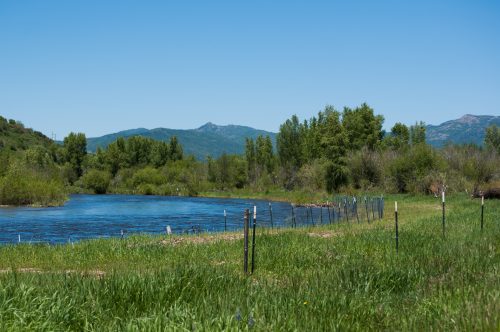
(323, 278)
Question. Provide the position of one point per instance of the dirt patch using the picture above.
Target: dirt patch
(173, 241)
(324, 234)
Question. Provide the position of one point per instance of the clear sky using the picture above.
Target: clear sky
(103, 66)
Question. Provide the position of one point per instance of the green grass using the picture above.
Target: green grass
(331, 277)
(281, 195)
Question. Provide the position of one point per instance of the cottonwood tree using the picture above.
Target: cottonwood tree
(363, 127)
(492, 138)
(75, 150)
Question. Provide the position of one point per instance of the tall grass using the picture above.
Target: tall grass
(338, 277)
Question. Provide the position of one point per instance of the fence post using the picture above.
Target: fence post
(271, 213)
(312, 219)
(339, 215)
(367, 214)
(329, 216)
(397, 231)
(245, 241)
(346, 210)
(482, 212)
(355, 203)
(321, 214)
(382, 205)
(443, 214)
(225, 220)
(253, 235)
(373, 211)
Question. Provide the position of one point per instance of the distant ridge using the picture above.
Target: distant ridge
(213, 140)
(207, 140)
(467, 129)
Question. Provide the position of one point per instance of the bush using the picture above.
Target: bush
(366, 171)
(96, 180)
(311, 176)
(21, 186)
(336, 175)
(148, 175)
(409, 169)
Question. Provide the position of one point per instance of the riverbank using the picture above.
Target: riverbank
(344, 276)
(298, 197)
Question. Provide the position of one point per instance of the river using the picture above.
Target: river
(97, 216)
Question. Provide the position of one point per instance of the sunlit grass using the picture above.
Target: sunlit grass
(330, 277)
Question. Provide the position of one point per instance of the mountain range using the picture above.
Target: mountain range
(207, 140)
(468, 129)
(211, 139)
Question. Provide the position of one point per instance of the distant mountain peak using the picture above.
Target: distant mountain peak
(209, 126)
(467, 129)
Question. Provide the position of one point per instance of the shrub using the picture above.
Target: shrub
(409, 169)
(148, 175)
(21, 186)
(336, 175)
(366, 171)
(96, 180)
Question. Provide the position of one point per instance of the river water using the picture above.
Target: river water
(96, 216)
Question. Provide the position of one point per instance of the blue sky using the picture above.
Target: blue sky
(103, 66)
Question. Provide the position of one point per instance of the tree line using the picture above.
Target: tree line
(334, 151)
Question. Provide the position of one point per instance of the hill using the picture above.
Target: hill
(14, 136)
(209, 139)
(468, 129)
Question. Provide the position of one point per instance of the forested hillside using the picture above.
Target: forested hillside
(207, 140)
(14, 136)
(29, 174)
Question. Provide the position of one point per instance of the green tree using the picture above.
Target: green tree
(116, 156)
(224, 167)
(250, 155)
(96, 180)
(160, 153)
(289, 143)
(264, 154)
(75, 146)
(363, 127)
(139, 150)
(400, 136)
(492, 138)
(336, 176)
(333, 138)
(175, 149)
(268, 154)
(417, 133)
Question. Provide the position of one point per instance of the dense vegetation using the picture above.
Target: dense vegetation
(29, 173)
(335, 151)
(332, 152)
(332, 277)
